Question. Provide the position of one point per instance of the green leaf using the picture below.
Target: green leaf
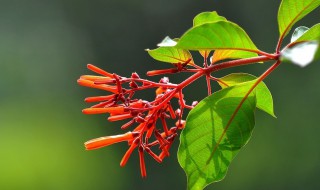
(222, 54)
(291, 11)
(170, 55)
(215, 133)
(216, 35)
(203, 18)
(301, 54)
(207, 17)
(263, 94)
(312, 34)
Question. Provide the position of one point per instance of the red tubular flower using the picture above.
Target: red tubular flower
(94, 78)
(165, 152)
(99, 98)
(119, 117)
(90, 84)
(153, 155)
(98, 70)
(150, 131)
(142, 163)
(114, 110)
(109, 140)
(129, 152)
(126, 125)
(144, 115)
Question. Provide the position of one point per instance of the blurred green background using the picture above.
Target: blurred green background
(44, 48)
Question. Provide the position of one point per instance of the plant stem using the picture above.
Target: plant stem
(239, 62)
(213, 68)
(279, 44)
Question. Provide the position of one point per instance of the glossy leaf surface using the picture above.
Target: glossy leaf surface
(222, 54)
(263, 94)
(170, 55)
(216, 35)
(203, 18)
(291, 11)
(215, 133)
(207, 17)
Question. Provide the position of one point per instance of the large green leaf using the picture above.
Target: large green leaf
(207, 17)
(203, 18)
(220, 54)
(263, 94)
(216, 35)
(170, 55)
(312, 34)
(291, 11)
(215, 133)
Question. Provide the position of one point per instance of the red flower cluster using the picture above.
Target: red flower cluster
(143, 114)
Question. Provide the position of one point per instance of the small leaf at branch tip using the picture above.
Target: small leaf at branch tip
(217, 35)
(263, 95)
(298, 32)
(302, 54)
(207, 17)
(167, 42)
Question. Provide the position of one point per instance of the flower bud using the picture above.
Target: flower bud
(194, 103)
(135, 75)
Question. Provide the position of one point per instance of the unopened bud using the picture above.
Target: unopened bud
(164, 80)
(135, 75)
(181, 124)
(178, 112)
(194, 103)
(159, 96)
(133, 84)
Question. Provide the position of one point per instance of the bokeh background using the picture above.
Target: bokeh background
(44, 48)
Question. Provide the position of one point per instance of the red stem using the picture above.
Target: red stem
(279, 44)
(213, 68)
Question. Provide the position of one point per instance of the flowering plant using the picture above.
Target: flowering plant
(217, 127)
